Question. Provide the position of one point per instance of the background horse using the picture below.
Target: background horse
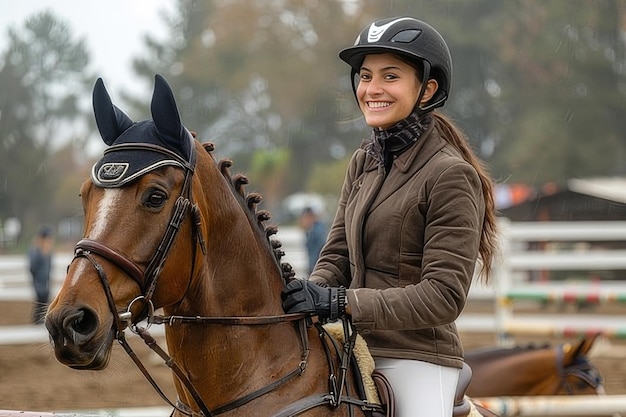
(167, 227)
(534, 370)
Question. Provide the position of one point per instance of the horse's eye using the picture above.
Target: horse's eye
(156, 199)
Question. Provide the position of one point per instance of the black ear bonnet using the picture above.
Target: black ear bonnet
(136, 148)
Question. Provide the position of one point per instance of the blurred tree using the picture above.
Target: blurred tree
(41, 78)
(273, 166)
(327, 176)
(260, 75)
(563, 95)
(538, 87)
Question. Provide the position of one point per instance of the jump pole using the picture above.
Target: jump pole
(118, 412)
(567, 296)
(574, 405)
(519, 327)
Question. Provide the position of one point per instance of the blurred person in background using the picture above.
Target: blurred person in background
(40, 264)
(315, 235)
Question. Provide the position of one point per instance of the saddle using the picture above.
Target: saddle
(378, 390)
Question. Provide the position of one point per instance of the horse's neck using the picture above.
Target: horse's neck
(236, 279)
(239, 274)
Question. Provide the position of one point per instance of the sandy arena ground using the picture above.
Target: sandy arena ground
(31, 379)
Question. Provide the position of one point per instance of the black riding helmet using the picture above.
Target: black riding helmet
(412, 39)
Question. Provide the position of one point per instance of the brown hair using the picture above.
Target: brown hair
(489, 234)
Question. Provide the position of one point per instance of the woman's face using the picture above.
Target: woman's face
(388, 89)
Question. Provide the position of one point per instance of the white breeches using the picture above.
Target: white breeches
(421, 389)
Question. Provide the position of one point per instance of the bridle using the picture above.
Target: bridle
(147, 281)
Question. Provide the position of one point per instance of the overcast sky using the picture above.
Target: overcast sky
(113, 30)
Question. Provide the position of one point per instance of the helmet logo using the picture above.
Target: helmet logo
(376, 32)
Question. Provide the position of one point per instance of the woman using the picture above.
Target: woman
(416, 211)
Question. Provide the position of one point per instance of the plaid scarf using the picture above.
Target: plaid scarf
(386, 144)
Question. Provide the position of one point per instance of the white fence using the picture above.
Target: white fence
(567, 246)
(15, 280)
(512, 282)
(572, 247)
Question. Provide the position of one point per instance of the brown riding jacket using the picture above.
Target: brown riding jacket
(406, 247)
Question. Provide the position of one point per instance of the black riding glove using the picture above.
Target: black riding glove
(301, 296)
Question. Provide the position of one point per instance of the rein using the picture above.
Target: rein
(124, 319)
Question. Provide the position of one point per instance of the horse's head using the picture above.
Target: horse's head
(534, 370)
(138, 210)
(578, 375)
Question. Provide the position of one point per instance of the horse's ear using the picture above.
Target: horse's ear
(166, 117)
(581, 349)
(111, 121)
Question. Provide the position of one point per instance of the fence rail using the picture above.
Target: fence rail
(511, 283)
(519, 258)
(119, 412)
(562, 405)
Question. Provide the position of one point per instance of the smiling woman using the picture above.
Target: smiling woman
(389, 88)
(416, 211)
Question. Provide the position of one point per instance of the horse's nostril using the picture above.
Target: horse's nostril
(81, 322)
(84, 322)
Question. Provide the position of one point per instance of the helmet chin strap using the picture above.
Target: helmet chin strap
(353, 75)
(434, 104)
(423, 110)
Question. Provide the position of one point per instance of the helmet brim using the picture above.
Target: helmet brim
(355, 55)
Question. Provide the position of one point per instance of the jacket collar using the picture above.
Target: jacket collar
(427, 143)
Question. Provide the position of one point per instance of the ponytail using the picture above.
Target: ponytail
(488, 237)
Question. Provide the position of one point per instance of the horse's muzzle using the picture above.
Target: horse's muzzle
(79, 339)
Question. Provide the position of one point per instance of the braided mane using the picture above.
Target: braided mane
(258, 218)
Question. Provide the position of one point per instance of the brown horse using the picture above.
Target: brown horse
(166, 226)
(534, 370)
